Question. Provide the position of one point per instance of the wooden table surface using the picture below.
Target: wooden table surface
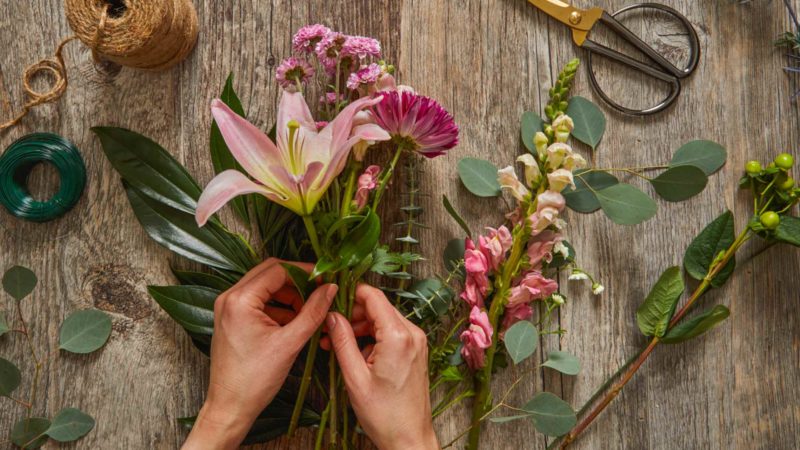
(487, 61)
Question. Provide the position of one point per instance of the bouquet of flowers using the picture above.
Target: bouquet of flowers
(307, 194)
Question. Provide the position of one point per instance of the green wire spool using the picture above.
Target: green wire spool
(16, 164)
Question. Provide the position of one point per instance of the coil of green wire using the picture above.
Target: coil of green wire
(20, 158)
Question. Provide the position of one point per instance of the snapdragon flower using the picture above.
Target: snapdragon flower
(476, 339)
(367, 182)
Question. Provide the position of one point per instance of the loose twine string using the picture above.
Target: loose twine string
(149, 34)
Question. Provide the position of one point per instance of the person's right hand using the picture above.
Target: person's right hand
(388, 383)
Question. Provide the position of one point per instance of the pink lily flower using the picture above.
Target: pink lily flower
(296, 170)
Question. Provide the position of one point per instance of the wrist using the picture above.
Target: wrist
(217, 427)
(426, 440)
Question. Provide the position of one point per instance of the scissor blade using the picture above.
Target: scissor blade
(564, 13)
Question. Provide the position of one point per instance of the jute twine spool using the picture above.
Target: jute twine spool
(142, 34)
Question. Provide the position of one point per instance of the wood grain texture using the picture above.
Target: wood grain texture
(487, 61)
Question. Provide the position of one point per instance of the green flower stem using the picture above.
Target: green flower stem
(634, 367)
(386, 176)
(323, 421)
(332, 400)
(349, 188)
(455, 401)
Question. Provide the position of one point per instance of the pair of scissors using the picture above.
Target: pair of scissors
(582, 22)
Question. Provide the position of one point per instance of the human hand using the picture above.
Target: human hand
(388, 382)
(253, 348)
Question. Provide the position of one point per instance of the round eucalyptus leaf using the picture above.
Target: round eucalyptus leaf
(551, 415)
(85, 331)
(530, 124)
(9, 377)
(4, 327)
(521, 340)
(582, 198)
(626, 204)
(590, 122)
(563, 362)
(453, 254)
(70, 424)
(479, 177)
(19, 281)
(706, 155)
(680, 183)
(30, 433)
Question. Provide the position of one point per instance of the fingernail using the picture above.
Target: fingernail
(331, 290)
(331, 321)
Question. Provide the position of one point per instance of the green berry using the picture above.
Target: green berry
(770, 220)
(784, 161)
(786, 184)
(753, 167)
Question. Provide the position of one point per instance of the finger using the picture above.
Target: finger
(377, 307)
(325, 343)
(367, 351)
(359, 313)
(256, 271)
(280, 315)
(354, 368)
(288, 295)
(362, 328)
(311, 315)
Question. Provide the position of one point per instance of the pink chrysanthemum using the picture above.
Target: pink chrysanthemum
(360, 47)
(364, 76)
(293, 71)
(306, 38)
(328, 50)
(417, 122)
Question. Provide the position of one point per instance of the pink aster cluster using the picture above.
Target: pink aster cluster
(293, 72)
(334, 49)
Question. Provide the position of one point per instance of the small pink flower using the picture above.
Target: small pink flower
(476, 339)
(329, 98)
(475, 261)
(476, 265)
(321, 124)
(540, 248)
(417, 122)
(293, 71)
(367, 182)
(516, 313)
(473, 292)
(359, 48)
(550, 199)
(328, 50)
(366, 76)
(306, 38)
(532, 286)
(495, 245)
(549, 205)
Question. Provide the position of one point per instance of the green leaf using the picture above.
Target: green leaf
(715, 238)
(452, 373)
(4, 327)
(654, 314)
(70, 424)
(680, 183)
(551, 415)
(479, 177)
(300, 280)
(625, 204)
(696, 326)
(521, 340)
(454, 214)
(530, 124)
(9, 377)
(508, 418)
(85, 331)
(706, 155)
(361, 240)
(563, 362)
(221, 156)
(323, 265)
(19, 282)
(590, 122)
(558, 261)
(178, 231)
(202, 279)
(191, 306)
(582, 199)
(788, 230)
(149, 168)
(453, 253)
(431, 297)
(30, 433)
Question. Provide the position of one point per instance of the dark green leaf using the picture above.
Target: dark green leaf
(221, 156)
(453, 254)
(324, 265)
(788, 230)
(551, 415)
(521, 340)
(716, 237)
(191, 306)
(454, 214)
(4, 327)
(361, 240)
(508, 418)
(625, 204)
(530, 124)
(680, 183)
(582, 198)
(19, 282)
(696, 326)
(70, 424)
(178, 231)
(202, 279)
(9, 377)
(590, 122)
(706, 155)
(431, 297)
(30, 433)
(300, 280)
(654, 314)
(85, 331)
(563, 362)
(479, 177)
(149, 168)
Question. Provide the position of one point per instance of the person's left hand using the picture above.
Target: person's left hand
(253, 348)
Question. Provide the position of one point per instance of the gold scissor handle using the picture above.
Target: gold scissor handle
(580, 21)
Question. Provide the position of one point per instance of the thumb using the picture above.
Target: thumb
(351, 361)
(311, 315)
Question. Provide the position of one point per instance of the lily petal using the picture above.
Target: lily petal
(339, 128)
(248, 145)
(293, 106)
(225, 186)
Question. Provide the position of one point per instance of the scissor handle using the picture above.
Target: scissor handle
(665, 71)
